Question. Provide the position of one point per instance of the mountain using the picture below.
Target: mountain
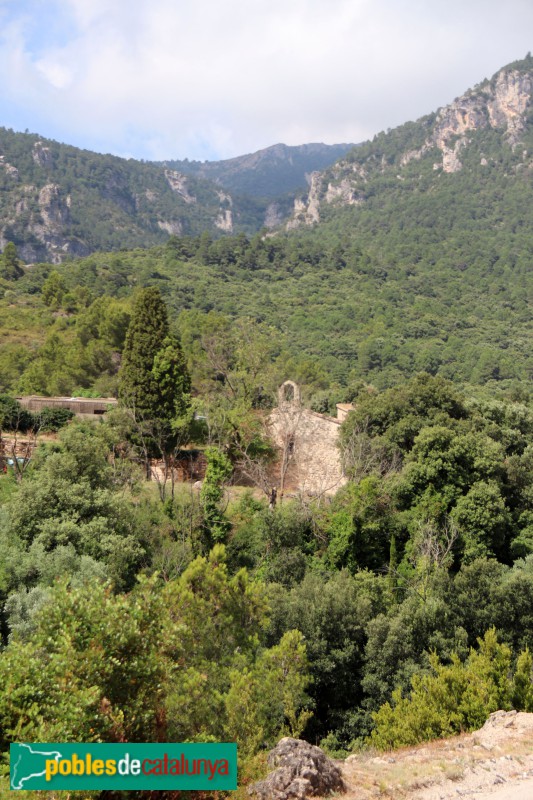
(58, 201)
(267, 173)
(411, 253)
(486, 135)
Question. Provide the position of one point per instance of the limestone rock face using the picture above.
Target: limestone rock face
(313, 205)
(224, 220)
(501, 104)
(55, 209)
(174, 228)
(298, 214)
(9, 169)
(306, 212)
(465, 114)
(300, 770)
(511, 97)
(450, 156)
(225, 198)
(178, 184)
(48, 211)
(344, 192)
(42, 155)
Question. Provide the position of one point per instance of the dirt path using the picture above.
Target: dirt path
(495, 763)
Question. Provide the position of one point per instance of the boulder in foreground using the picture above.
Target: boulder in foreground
(300, 770)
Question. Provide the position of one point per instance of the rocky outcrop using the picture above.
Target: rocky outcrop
(174, 228)
(450, 157)
(48, 211)
(343, 192)
(224, 220)
(300, 770)
(9, 169)
(510, 100)
(44, 215)
(411, 155)
(463, 115)
(224, 198)
(54, 207)
(307, 212)
(42, 155)
(501, 104)
(178, 184)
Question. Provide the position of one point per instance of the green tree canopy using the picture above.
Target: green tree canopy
(10, 264)
(154, 380)
(146, 333)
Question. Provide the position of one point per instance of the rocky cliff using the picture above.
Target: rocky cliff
(493, 117)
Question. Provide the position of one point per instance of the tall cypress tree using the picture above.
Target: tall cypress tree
(154, 380)
(145, 336)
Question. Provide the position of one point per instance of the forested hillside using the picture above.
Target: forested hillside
(338, 312)
(58, 201)
(138, 603)
(416, 264)
(483, 137)
(415, 577)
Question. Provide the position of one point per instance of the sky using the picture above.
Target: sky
(212, 79)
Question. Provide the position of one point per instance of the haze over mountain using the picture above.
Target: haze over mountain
(59, 201)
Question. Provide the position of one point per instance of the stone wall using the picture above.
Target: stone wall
(309, 458)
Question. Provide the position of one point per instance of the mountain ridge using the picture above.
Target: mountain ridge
(57, 201)
(442, 138)
(268, 172)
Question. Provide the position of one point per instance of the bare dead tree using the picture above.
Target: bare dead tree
(284, 426)
(434, 545)
(432, 552)
(256, 469)
(152, 444)
(17, 446)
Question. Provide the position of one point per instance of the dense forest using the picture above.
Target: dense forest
(398, 610)
(336, 315)
(327, 619)
(57, 200)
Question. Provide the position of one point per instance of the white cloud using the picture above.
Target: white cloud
(57, 75)
(169, 78)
